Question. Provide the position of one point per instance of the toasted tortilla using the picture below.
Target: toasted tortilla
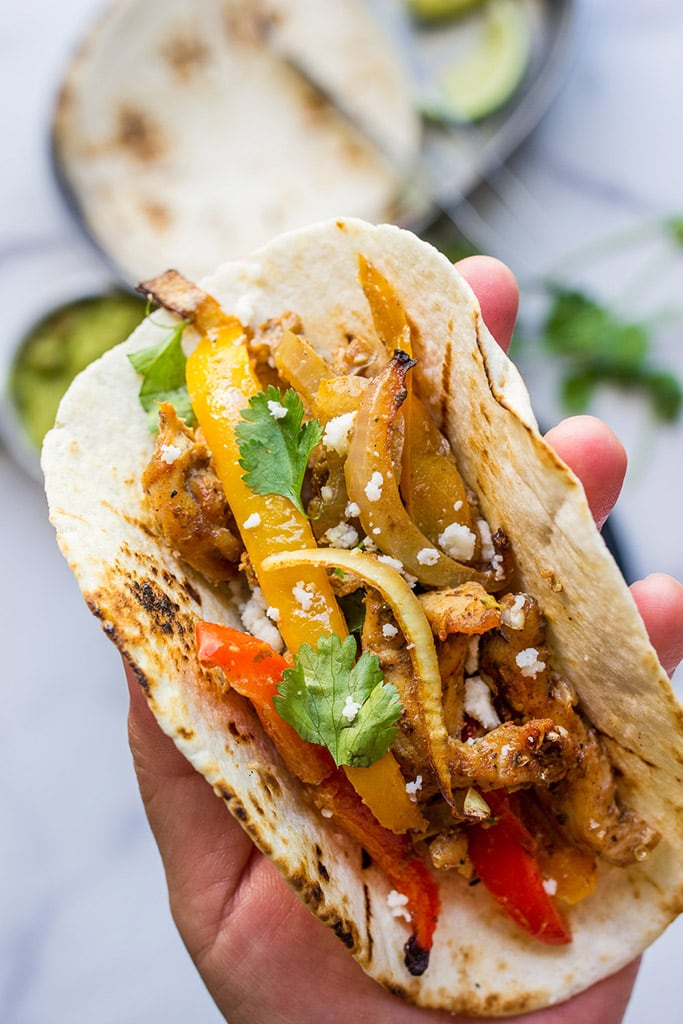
(148, 602)
(188, 132)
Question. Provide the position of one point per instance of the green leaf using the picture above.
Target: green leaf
(674, 228)
(343, 704)
(579, 327)
(162, 367)
(275, 445)
(666, 395)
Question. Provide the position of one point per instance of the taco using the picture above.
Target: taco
(370, 605)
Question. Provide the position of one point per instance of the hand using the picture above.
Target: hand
(261, 953)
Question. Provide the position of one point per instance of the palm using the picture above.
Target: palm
(261, 953)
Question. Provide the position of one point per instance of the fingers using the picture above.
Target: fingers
(598, 458)
(660, 603)
(495, 286)
(198, 838)
(596, 455)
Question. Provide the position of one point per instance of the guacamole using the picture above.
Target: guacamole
(62, 345)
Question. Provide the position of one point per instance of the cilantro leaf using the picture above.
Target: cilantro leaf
(274, 444)
(343, 704)
(599, 347)
(162, 366)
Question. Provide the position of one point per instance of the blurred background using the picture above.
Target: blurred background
(543, 133)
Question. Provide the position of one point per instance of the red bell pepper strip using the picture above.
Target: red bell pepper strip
(503, 856)
(396, 856)
(254, 669)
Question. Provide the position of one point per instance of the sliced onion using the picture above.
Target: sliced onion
(415, 627)
(384, 517)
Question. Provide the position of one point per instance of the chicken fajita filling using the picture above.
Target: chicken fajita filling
(393, 660)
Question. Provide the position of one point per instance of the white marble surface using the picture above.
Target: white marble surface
(85, 933)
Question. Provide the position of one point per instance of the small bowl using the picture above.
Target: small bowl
(60, 285)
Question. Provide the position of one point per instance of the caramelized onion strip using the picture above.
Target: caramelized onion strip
(372, 483)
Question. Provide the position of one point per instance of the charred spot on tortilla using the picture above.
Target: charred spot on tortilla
(185, 54)
(494, 676)
(416, 959)
(139, 135)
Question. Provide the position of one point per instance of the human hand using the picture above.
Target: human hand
(262, 955)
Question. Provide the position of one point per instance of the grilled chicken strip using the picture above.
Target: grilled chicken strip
(187, 500)
(585, 802)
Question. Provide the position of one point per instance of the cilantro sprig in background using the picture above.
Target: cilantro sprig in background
(275, 444)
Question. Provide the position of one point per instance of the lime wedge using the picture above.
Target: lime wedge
(487, 74)
(431, 10)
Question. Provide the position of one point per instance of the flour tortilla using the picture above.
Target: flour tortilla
(148, 602)
(185, 134)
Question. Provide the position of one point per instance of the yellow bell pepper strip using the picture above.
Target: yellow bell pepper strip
(220, 382)
(254, 670)
(504, 857)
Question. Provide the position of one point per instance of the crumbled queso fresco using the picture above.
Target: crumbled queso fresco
(336, 433)
(373, 489)
(342, 536)
(514, 616)
(428, 556)
(415, 786)
(529, 663)
(169, 453)
(252, 521)
(458, 541)
(397, 903)
(277, 410)
(350, 709)
(479, 704)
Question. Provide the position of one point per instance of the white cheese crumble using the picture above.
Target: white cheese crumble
(487, 548)
(342, 536)
(472, 656)
(428, 556)
(326, 812)
(326, 493)
(389, 630)
(303, 594)
(352, 510)
(393, 563)
(169, 453)
(514, 616)
(273, 614)
(479, 704)
(529, 662)
(398, 905)
(458, 541)
(350, 709)
(415, 786)
(252, 521)
(373, 489)
(277, 410)
(336, 432)
(550, 886)
(256, 621)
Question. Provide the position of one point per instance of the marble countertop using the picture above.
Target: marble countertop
(85, 931)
